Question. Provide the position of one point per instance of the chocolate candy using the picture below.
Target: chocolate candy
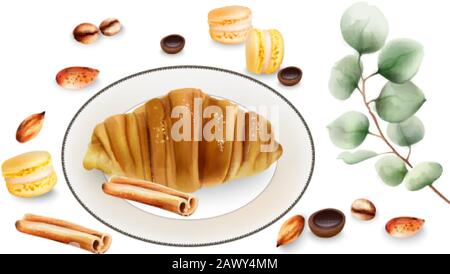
(327, 223)
(85, 33)
(172, 44)
(290, 76)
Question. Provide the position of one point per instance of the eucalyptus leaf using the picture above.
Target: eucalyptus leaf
(422, 175)
(344, 77)
(398, 102)
(391, 169)
(406, 133)
(400, 60)
(364, 28)
(349, 130)
(351, 158)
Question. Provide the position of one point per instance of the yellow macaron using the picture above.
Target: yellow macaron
(30, 174)
(264, 50)
(230, 25)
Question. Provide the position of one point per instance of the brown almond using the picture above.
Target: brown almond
(30, 127)
(76, 77)
(404, 227)
(290, 230)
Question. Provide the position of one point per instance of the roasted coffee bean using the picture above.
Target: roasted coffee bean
(85, 33)
(363, 209)
(110, 27)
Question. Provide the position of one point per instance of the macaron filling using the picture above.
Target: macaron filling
(267, 50)
(45, 172)
(232, 27)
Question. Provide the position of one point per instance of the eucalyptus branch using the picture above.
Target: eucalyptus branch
(385, 140)
(398, 61)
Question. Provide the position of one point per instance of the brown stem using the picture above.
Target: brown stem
(383, 137)
(439, 194)
(374, 134)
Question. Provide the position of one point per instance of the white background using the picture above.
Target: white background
(36, 42)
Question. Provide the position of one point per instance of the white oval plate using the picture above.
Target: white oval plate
(228, 212)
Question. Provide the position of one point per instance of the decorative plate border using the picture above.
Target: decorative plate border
(186, 67)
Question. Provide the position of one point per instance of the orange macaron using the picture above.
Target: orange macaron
(30, 174)
(230, 25)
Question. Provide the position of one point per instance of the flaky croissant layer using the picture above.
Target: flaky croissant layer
(142, 144)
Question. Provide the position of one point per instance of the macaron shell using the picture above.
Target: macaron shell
(228, 14)
(33, 189)
(25, 161)
(255, 51)
(277, 53)
(235, 37)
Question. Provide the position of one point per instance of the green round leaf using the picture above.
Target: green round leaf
(400, 60)
(351, 158)
(344, 77)
(422, 175)
(398, 102)
(364, 28)
(406, 133)
(349, 130)
(391, 170)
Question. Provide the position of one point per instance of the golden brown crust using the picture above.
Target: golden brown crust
(181, 164)
(217, 153)
(134, 144)
(144, 141)
(237, 151)
(185, 151)
(117, 133)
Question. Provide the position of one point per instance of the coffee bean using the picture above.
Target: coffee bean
(172, 44)
(110, 27)
(363, 209)
(290, 76)
(326, 223)
(85, 33)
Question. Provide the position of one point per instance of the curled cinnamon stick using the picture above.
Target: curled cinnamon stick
(64, 232)
(151, 194)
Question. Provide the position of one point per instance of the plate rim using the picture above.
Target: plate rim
(199, 67)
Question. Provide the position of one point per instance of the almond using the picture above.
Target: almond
(404, 227)
(76, 77)
(30, 127)
(290, 230)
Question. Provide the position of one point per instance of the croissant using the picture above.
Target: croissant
(141, 144)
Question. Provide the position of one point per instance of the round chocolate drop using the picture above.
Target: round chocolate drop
(327, 223)
(290, 76)
(172, 44)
